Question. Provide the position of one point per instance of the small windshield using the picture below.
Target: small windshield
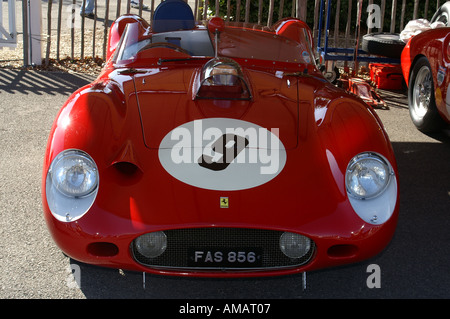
(235, 42)
(249, 44)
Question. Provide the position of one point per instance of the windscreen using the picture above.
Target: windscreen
(234, 42)
(249, 44)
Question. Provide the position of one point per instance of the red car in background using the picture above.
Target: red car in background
(426, 68)
(217, 150)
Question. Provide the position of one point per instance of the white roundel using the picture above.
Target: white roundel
(222, 154)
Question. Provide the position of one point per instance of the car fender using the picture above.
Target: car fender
(97, 119)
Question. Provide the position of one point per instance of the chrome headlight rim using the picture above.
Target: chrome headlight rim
(359, 159)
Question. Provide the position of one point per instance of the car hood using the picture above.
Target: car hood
(166, 103)
(320, 128)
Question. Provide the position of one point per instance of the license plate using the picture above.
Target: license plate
(225, 257)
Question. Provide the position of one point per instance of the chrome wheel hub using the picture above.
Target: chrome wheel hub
(422, 91)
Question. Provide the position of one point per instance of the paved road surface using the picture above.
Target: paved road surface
(415, 265)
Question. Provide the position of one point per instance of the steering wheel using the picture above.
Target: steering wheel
(165, 45)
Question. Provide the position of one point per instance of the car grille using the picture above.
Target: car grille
(181, 242)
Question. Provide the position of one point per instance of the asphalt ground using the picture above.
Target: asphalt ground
(414, 265)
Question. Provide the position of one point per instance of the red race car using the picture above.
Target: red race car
(217, 150)
(425, 64)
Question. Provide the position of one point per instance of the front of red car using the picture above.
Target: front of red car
(221, 164)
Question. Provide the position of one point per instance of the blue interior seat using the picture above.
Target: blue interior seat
(172, 15)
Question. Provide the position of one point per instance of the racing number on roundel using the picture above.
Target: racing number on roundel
(226, 149)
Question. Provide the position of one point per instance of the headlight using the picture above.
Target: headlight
(151, 245)
(294, 245)
(367, 176)
(74, 173)
(372, 187)
(71, 184)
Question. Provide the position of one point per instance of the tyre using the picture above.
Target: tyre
(421, 100)
(442, 14)
(383, 43)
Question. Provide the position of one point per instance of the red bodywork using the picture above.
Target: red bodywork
(122, 117)
(434, 45)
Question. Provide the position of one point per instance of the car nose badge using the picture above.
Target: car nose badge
(224, 202)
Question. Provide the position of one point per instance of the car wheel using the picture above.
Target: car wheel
(421, 100)
(383, 43)
(442, 14)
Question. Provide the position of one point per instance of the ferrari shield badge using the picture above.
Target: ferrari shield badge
(224, 202)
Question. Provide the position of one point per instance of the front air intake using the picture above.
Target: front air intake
(222, 249)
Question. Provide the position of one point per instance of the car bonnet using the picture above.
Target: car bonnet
(167, 103)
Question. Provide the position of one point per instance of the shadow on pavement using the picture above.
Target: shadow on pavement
(34, 82)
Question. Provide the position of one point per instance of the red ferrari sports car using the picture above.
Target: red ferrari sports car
(217, 149)
(426, 69)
